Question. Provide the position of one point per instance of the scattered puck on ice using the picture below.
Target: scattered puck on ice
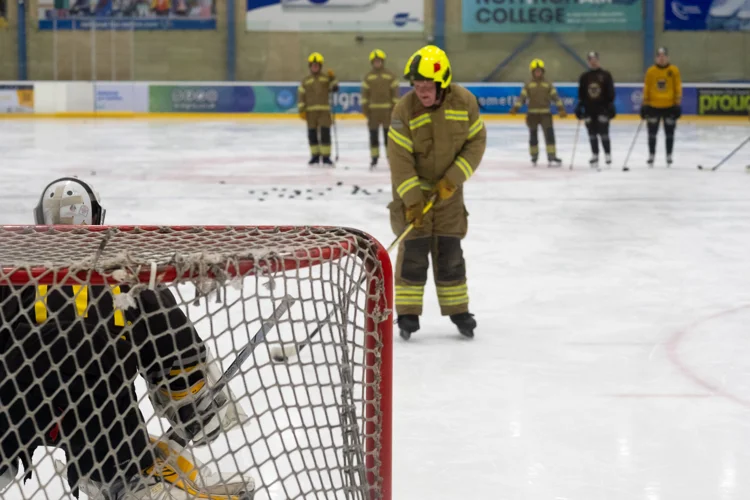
(283, 189)
(321, 194)
(274, 189)
(309, 198)
(329, 188)
(290, 197)
(364, 191)
(309, 190)
(297, 192)
(380, 190)
(626, 169)
(281, 196)
(222, 182)
(93, 172)
(339, 183)
(265, 193)
(346, 168)
(355, 190)
(251, 192)
(260, 199)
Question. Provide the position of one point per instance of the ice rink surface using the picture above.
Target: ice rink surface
(612, 357)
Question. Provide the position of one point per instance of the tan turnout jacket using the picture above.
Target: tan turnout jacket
(539, 94)
(425, 145)
(379, 95)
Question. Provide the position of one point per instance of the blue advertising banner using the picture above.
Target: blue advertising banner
(127, 15)
(707, 15)
(200, 99)
(534, 16)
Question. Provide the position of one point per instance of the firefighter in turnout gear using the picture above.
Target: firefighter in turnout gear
(379, 95)
(313, 97)
(436, 142)
(596, 106)
(540, 93)
(662, 100)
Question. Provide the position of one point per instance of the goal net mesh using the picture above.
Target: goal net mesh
(74, 386)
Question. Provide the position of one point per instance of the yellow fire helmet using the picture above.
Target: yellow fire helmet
(315, 57)
(429, 63)
(377, 54)
(536, 63)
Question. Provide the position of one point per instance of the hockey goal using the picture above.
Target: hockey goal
(306, 309)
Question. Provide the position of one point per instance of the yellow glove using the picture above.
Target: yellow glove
(445, 188)
(415, 215)
(303, 115)
(562, 113)
(331, 74)
(513, 110)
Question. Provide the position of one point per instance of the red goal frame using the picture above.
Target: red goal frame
(300, 258)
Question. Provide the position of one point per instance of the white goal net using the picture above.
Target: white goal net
(99, 324)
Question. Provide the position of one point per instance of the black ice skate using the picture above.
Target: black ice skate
(594, 161)
(669, 160)
(553, 161)
(374, 162)
(534, 159)
(327, 162)
(465, 323)
(407, 324)
(650, 161)
(314, 160)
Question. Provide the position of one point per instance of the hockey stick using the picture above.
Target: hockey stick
(575, 143)
(334, 127)
(280, 355)
(233, 368)
(700, 167)
(632, 145)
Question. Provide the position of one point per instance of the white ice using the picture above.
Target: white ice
(612, 358)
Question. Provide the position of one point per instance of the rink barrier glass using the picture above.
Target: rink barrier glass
(318, 424)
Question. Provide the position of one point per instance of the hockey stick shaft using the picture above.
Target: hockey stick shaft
(242, 356)
(334, 126)
(632, 144)
(727, 157)
(294, 350)
(575, 143)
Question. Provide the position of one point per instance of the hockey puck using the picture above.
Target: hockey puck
(329, 188)
(274, 189)
(297, 192)
(251, 192)
(309, 198)
(700, 167)
(261, 199)
(626, 169)
(339, 183)
(93, 172)
(265, 193)
(222, 182)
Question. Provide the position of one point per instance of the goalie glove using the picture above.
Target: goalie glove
(192, 411)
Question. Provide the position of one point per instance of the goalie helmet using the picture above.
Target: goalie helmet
(69, 201)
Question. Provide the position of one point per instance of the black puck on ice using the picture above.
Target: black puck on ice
(329, 188)
(265, 193)
(93, 172)
(339, 183)
(297, 192)
(261, 199)
(222, 182)
(251, 192)
(626, 169)
(309, 198)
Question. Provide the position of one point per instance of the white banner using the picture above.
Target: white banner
(335, 15)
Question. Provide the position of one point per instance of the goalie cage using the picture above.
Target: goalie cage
(319, 424)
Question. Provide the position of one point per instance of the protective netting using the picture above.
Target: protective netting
(100, 324)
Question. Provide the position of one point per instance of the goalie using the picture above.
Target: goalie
(70, 357)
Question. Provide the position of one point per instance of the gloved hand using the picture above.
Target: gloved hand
(415, 215)
(562, 113)
(445, 188)
(676, 111)
(513, 110)
(579, 111)
(303, 115)
(611, 111)
(645, 111)
(331, 74)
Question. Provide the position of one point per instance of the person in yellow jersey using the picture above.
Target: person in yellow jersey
(379, 95)
(436, 142)
(313, 103)
(540, 93)
(662, 100)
